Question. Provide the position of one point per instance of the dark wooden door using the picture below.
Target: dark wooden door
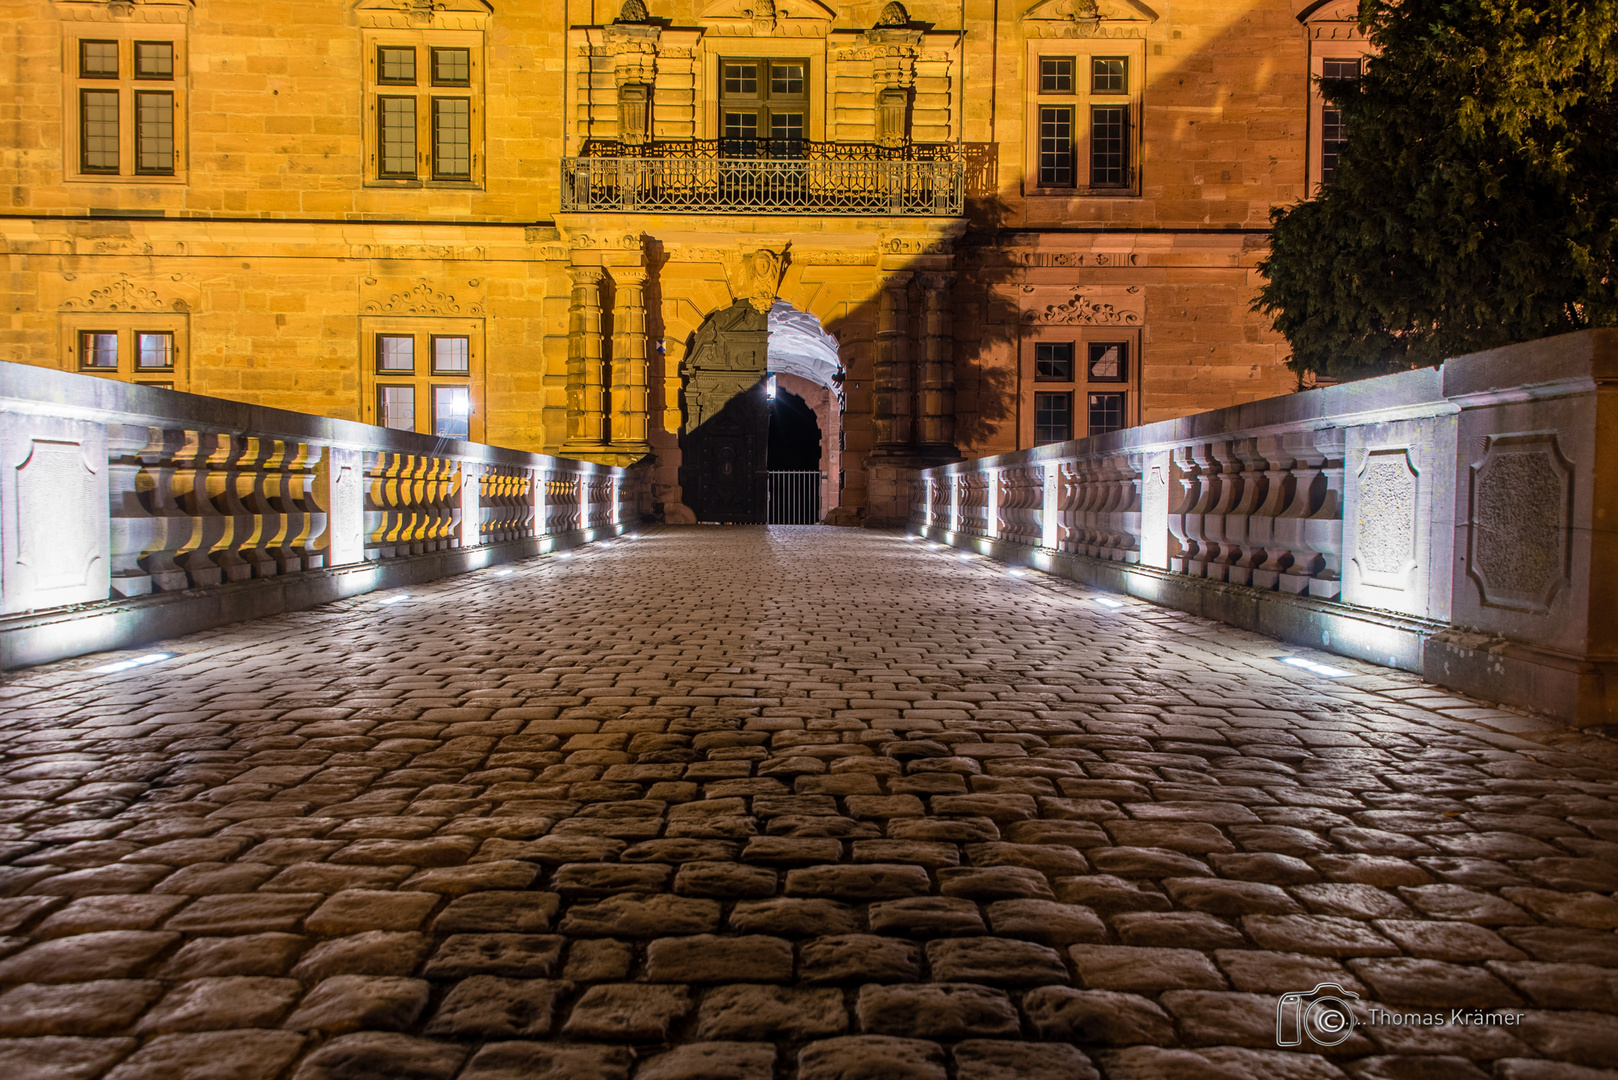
(724, 472)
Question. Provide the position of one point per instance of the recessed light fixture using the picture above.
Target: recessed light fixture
(1016, 571)
(134, 662)
(1325, 670)
(564, 555)
(1106, 601)
(507, 572)
(394, 599)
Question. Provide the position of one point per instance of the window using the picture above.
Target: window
(1056, 146)
(154, 131)
(452, 412)
(1109, 361)
(1082, 113)
(395, 352)
(1053, 417)
(98, 349)
(758, 96)
(1109, 145)
(1106, 413)
(154, 351)
(142, 348)
(154, 59)
(1109, 75)
(98, 131)
(396, 407)
(450, 355)
(1331, 118)
(1082, 378)
(98, 59)
(1053, 361)
(426, 112)
(1056, 74)
(127, 120)
(423, 375)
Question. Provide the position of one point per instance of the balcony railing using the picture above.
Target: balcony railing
(762, 176)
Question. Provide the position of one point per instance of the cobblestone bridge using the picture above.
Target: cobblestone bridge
(742, 804)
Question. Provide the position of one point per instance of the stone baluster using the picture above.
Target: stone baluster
(382, 503)
(937, 367)
(1292, 525)
(586, 392)
(1324, 528)
(1185, 492)
(1127, 514)
(630, 418)
(1093, 470)
(467, 505)
(191, 477)
(171, 524)
(1244, 553)
(894, 385)
(257, 524)
(1273, 557)
(301, 500)
(1222, 549)
(1109, 502)
(1070, 496)
(134, 531)
(1205, 551)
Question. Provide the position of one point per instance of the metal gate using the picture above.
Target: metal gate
(794, 498)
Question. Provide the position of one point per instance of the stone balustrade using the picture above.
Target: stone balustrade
(1456, 521)
(127, 506)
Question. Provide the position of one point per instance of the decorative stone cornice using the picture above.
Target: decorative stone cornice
(1082, 311)
(423, 299)
(423, 14)
(123, 295)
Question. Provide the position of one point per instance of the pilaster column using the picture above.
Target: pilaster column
(629, 368)
(937, 366)
(585, 392)
(892, 413)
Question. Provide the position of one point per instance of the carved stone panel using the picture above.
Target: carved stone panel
(343, 485)
(1385, 540)
(1519, 522)
(55, 533)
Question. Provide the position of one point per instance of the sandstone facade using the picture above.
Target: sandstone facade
(286, 241)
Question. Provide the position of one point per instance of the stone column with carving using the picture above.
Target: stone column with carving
(585, 392)
(629, 366)
(892, 413)
(937, 434)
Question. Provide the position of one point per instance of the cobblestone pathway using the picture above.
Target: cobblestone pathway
(737, 804)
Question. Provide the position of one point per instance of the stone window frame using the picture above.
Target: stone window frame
(1081, 337)
(423, 378)
(1321, 50)
(127, 325)
(1082, 98)
(125, 33)
(423, 91)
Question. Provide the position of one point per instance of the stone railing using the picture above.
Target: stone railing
(118, 493)
(1456, 521)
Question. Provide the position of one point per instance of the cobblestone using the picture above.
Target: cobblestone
(786, 804)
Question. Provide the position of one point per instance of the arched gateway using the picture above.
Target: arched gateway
(725, 383)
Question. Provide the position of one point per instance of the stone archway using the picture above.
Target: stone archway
(804, 359)
(725, 428)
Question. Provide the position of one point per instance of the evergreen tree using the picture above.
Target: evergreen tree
(1476, 201)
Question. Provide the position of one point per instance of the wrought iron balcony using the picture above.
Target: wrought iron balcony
(762, 176)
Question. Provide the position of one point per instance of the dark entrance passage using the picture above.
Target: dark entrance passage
(794, 460)
(724, 446)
